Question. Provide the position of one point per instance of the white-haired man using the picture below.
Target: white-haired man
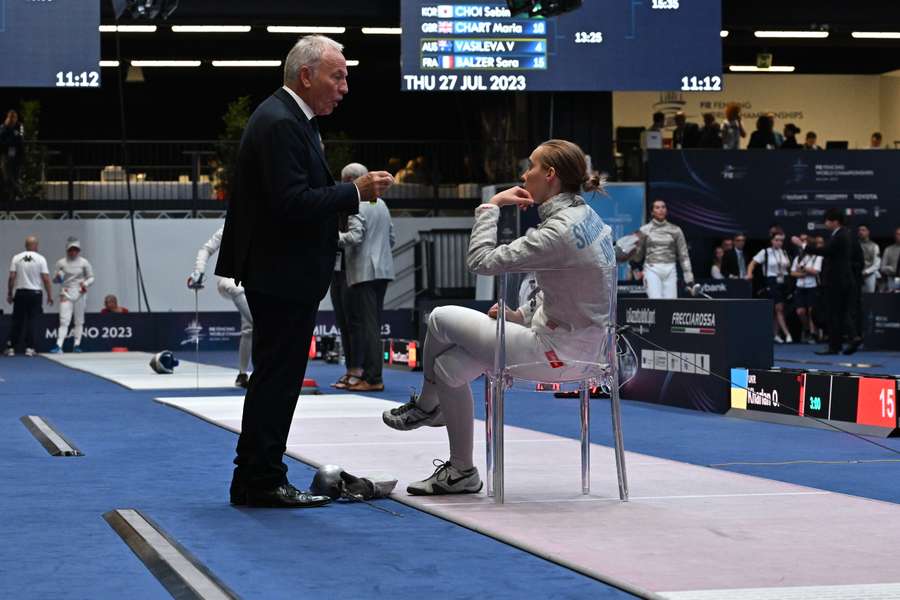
(367, 266)
(283, 220)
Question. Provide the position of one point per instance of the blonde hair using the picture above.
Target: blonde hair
(568, 160)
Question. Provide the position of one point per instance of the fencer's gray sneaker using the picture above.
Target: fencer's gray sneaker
(409, 416)
(447, 479)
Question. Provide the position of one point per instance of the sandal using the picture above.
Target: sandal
(342, 382)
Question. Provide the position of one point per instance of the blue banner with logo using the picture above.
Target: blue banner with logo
(622, 208)
(714, 193)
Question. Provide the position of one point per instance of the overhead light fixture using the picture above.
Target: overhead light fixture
(723, 33)
(304, 29)
(165, 63)
(211, 28)
(109, 63)
(352, 63)
(128, 28)
(382, 30)
(792, 34)
(246, 63)
(755, 69)
(876, 35)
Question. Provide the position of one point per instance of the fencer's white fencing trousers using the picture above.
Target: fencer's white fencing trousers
(230, 291)
(459, 346)
(70, 309)
(661, 280)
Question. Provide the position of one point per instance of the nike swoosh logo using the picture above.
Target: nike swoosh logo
(452, 481)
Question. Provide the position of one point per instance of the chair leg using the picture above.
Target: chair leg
(489, 434)
(497, 425)
(585, 438)
(617, 434)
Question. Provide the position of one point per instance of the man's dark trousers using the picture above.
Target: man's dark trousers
(838, 300)
(369, 302)
(26, 310)
(282, 330)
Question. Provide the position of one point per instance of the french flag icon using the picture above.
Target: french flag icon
(446, 62)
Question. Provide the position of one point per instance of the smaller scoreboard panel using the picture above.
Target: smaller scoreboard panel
(869, 401)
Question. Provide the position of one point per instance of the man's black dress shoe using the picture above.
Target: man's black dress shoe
(853, 346)
(238, 495)
(826, 352)
(284, 496)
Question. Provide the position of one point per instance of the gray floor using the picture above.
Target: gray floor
(686, 529)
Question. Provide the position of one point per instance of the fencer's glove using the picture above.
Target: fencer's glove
(195, 280)
(689, 280)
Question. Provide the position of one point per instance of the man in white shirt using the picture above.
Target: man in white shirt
(27, 273)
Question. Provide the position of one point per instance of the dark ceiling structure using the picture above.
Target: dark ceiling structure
(839, 53)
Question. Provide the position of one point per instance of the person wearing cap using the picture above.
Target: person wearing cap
(75, 275)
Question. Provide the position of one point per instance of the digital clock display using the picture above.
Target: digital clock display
(608, 45)
(49, 43)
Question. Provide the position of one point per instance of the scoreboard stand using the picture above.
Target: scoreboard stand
(861, 404)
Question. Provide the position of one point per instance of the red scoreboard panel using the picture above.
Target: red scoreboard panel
(837, 397)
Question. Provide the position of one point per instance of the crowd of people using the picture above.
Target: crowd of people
(729, 134)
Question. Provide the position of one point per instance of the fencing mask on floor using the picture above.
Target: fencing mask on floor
(163, 362)
(335, 482)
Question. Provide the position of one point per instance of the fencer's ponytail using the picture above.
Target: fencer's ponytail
(595, 183)
(570, 164)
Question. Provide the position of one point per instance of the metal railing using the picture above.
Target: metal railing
(188, 176)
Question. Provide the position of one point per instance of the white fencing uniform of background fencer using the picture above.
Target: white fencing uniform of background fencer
(567, 320)
(662, 246)
(229, 290)
(73, 275)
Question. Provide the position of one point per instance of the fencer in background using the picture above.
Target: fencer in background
(566, 322)
(229, 290)
(75, 275)
(662, 246)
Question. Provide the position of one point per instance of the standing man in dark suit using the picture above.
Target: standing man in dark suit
(279, 242)
(734, 263)
(838, 281)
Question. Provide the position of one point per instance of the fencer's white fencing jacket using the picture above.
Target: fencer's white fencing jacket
(226, 285)
(72, 274)
(571, 252)
(664, 243)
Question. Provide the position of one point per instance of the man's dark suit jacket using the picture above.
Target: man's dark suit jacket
(281, 230)
(730, 267)
(837, 272)
(689, 137)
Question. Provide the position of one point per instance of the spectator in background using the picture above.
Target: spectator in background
(790, 137)
(876, 141)
(837, 282)
(12, 154)
(764, 136)
(685, 135)
(890, 262)
(779, 139)
(734, 263)
(710, 133)
(810, 143)
(727, 244)
(369, 268)
(716, 270)
(871, 259)
(111, 305)
(28, 273)
(805, 270)
(732, 129)
(775, 265)
(659, 121)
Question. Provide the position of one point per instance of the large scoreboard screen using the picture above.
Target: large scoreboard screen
(50, 43)
(602, 45)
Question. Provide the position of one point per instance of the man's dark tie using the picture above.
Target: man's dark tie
(314, 123)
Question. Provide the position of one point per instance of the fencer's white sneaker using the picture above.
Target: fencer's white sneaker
(30, 352)
(778, 340)
(9, 352)
(409, 416)
(788, 340)
(447, 479)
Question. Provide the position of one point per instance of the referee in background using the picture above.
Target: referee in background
(27, 272)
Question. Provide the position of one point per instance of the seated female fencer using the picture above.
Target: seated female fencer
(566, 321)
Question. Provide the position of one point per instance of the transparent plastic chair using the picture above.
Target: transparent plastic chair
(583, 349)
